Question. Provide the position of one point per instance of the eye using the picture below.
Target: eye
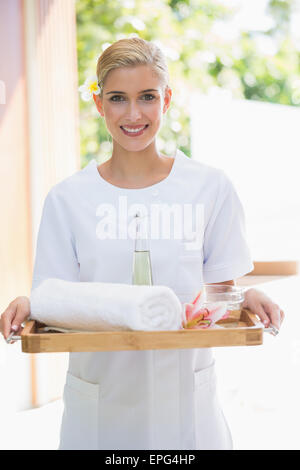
(115, 96)
(152, 97)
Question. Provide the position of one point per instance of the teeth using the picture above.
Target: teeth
(133, 130)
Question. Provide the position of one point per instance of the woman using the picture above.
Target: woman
(161, 399)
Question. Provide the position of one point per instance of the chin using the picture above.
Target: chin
(134, 146)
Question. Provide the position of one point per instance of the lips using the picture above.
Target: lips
(138, 126)
(134, 131)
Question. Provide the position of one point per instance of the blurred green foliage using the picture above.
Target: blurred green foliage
(201, 53)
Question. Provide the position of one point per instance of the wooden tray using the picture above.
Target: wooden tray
(242, 328)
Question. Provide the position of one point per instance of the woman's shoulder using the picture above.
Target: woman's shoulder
(199, 171)
(73, 184)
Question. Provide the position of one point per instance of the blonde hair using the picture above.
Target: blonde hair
(130, 53)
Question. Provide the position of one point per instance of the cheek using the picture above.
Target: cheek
(155, 114)
(112, 114)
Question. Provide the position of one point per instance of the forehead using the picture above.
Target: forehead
(132, 79)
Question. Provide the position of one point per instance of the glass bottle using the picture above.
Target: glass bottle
(142, 271)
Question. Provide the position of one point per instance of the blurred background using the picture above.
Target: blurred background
(235, 75)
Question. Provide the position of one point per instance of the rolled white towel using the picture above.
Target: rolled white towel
(96, 306)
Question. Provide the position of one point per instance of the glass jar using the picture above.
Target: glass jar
(233, 295)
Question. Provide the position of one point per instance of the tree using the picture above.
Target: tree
(256, 65)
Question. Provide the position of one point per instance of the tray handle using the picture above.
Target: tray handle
(27, 327)
(257, 322)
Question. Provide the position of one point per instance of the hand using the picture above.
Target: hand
(15, 314)
(260, 304)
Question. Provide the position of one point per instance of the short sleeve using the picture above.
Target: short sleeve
(55, 255)
(226, 253)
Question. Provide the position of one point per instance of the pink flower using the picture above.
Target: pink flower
(200, 314)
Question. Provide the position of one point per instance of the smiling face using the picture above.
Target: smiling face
(133, 98)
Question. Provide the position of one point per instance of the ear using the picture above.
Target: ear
(167, 99)
(98, 104)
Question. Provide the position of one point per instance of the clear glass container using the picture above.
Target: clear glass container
(142, 270)
(233, 295)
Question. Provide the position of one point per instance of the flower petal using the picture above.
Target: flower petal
(91, 79)
(86, 96)
(199, 300)
(217, 311)
(188, 310)
(97, 92)
(202, 313)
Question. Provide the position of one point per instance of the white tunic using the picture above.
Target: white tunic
(160, 399)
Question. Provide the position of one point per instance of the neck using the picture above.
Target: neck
(134, 166)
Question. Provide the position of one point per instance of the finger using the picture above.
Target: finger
(281, 316)
(18, 319)
(273, 311)
(260, 312)
(7, 317)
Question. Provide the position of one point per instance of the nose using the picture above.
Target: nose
(134, 112)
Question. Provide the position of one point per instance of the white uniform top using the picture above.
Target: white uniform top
(156, 399)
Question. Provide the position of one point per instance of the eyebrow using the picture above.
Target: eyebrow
(123, 93)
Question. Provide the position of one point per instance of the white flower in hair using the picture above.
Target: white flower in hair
(89, 88)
